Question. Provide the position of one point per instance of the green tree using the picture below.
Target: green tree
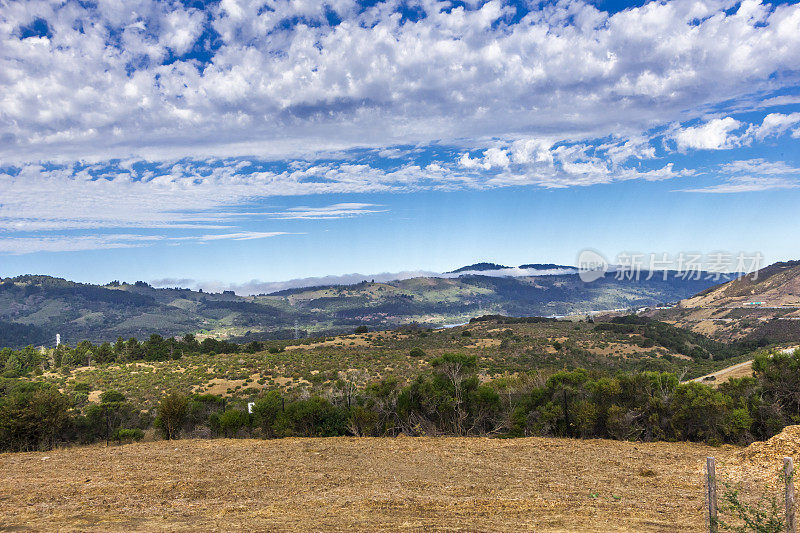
(171, 415)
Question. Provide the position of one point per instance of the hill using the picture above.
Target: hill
(504, 347)
(762, 307)
(359, 484)
(34, 308)
(482, 267)
(476, 267)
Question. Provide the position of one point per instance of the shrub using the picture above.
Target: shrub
(267, 414)
(416, 352)
(232, 421)
(128, 435)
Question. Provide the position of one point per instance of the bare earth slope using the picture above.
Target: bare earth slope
(764, 306)
(347, 484)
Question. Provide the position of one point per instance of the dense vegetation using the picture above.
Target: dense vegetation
(448, 399)
(682, 341)
(20, 362)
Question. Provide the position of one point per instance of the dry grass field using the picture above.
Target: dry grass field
(351, 484)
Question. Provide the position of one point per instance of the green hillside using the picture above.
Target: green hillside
(34, 308)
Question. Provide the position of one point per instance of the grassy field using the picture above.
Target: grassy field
(384, 484)
(316, 364)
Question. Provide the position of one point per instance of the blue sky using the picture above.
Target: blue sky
(211, 144)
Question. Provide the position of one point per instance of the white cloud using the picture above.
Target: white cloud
(726, 133)
(741, 184)
(77, 242)
(531, 102)
(341, 210)
(239, 236)
(758, 166)
(97, 87)
(265, 287)
(775, 124)
(716, 134)
(72, 243)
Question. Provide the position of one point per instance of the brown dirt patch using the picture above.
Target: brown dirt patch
(486, 343)
(94, 396)
(350, 484)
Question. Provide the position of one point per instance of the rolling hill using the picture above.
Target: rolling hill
(34, 308)
(753, 307)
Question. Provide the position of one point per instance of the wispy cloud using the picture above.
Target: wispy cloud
(73, 243)
(342, 210)
(747, 184)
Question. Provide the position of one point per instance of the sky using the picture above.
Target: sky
(224, 144)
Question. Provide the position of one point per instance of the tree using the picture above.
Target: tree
(21, 362)
(107, 416)
(267, 411)
(456, 368)
(104, 353)
(779, 376)
(32, 417)
(171, 415)
(416, 352)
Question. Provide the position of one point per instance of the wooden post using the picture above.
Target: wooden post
(711, 495)
(788, 471)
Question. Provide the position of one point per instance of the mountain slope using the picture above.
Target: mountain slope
(765, 306)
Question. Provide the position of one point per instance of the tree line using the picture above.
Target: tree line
(15, 363)
(448, 399)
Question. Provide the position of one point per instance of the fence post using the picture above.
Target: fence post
(711, 495)
(788, 471)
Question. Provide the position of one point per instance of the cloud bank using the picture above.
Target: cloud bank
(119, 116)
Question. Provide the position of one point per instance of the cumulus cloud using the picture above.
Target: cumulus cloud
(114, 79)
(775, 124)
(165, 115)
(716, 134)
(726, 133)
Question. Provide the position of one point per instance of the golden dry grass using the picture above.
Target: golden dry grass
(360, 484)
(739, 370)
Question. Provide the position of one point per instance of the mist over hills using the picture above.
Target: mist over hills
(34, 308)
(258, 287)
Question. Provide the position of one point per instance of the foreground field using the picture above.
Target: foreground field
(345, 484)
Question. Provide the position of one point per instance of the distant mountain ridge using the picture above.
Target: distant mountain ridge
(34, 308)
(479, 267)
